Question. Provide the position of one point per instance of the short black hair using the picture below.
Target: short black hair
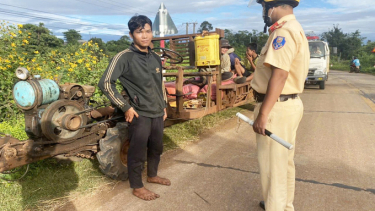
(252, 46)
(138, 21)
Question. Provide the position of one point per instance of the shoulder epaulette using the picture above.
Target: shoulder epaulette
(276, 26)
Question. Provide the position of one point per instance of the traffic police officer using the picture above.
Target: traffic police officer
(279, 78)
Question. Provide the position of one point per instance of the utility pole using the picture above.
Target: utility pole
(195, 23)
(187, 27)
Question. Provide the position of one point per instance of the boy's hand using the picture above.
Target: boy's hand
(129, 115)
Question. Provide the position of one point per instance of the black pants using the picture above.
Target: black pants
(146, 138)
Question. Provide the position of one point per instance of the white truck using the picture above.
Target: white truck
(319, 62)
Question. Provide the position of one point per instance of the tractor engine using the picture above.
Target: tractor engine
(51, 111)
(58, 120)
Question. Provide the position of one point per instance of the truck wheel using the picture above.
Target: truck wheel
(113, 152)
(322, 85)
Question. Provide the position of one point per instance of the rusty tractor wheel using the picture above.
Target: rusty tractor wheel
(113, 152)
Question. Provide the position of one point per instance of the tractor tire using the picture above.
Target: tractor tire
(322, 85)
(113, 152)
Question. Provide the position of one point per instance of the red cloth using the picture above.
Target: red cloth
(171, 89)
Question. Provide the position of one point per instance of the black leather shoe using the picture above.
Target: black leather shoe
(261, 205)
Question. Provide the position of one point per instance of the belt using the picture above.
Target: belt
(260, 97)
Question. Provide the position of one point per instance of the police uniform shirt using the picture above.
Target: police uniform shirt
(286, 49)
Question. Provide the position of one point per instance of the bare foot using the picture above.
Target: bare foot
(145, 194)
(159, 180)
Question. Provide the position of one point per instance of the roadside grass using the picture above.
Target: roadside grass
(367, 66)
(52, 183)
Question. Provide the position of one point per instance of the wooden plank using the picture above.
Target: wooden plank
(189, 74)
(209, 91)
(228, 86)
(197, 113)
(179, 84)
(191, 49)
(218, 91)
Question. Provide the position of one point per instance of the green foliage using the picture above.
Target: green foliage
(347, 45)
(100, 43)
(116, 46)
(205, 25)
(241, 39)
(83, 64)
(72, 36)
(14, 127)
(40, 39)
(366, 58)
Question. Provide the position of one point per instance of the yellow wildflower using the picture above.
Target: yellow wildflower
(58, 68)
(19, 25)
(101, 50)
(10, 56)
(79, 61)
(94, 62)
(38, 68)
(76, 53)
(13, 34)
(87, 65)
(19, 31)
(89, 68)
(9, 66)
(13, 44)
(7, 61)
(29, 33)
(62, 60)
(36, 52)
(70, 69)
(33, 60)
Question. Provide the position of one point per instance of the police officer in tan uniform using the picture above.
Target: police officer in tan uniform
(278, 80)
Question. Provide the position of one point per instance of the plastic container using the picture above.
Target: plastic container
(207, 50)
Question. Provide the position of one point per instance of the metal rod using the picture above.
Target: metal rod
(107, 120)
(91, 109)
(268, 133)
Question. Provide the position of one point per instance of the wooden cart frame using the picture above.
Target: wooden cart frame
(227, 96)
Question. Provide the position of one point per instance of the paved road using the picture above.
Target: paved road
(335, 160)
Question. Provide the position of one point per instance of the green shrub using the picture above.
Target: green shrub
(14, 127)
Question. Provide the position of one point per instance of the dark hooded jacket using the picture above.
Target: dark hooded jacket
(140, 74)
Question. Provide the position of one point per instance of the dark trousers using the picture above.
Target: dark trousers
(146, 138)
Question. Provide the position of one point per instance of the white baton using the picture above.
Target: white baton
(268, 133)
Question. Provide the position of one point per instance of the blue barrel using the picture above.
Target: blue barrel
(27, 94)
(50, 91)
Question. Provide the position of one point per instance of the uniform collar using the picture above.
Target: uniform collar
(281, 22)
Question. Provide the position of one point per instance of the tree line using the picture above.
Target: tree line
(348, 44)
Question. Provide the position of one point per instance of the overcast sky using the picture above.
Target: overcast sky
(107, 19)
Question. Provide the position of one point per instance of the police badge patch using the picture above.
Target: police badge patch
(278, 42)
